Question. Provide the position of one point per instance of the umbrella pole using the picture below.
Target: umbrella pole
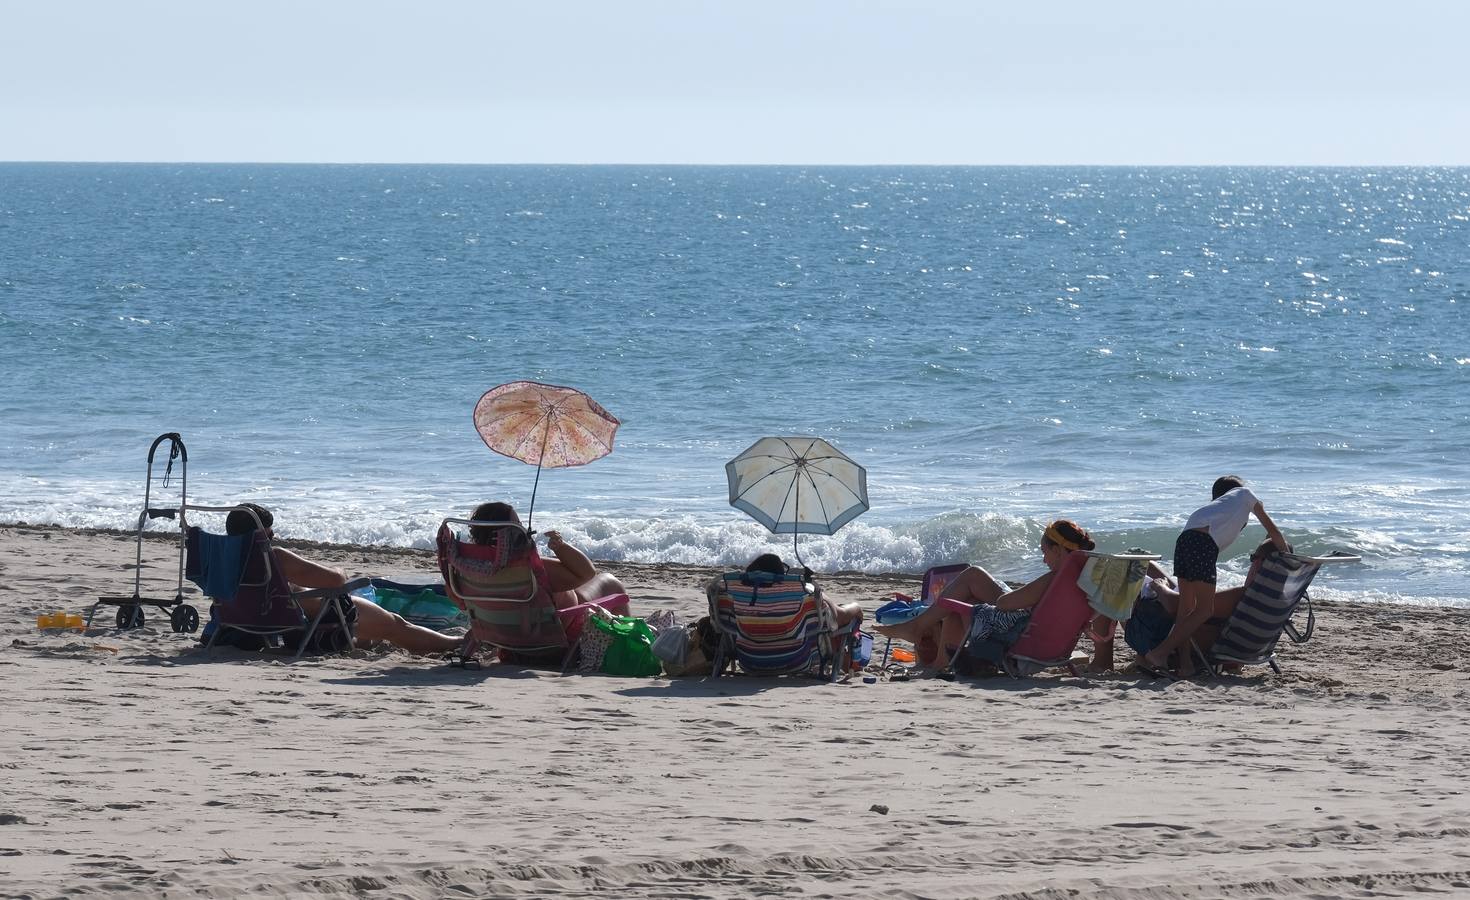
(531, 512)
(796, 535)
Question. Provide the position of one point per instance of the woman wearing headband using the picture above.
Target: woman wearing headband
(977, 605)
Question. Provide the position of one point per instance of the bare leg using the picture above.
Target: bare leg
(935, 633)
(1196, 601)
(595, 588)
(846, 613)
(375, 624)
(952, 633)
(975, 585)
(600, 585)
(1101, 631)
(925, 623)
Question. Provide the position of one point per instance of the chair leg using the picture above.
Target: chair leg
(346, 629)
(316, 620)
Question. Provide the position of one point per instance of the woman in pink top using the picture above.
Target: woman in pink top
(571, 577)
(976, 604)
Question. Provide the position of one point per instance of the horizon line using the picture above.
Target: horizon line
(691, 165)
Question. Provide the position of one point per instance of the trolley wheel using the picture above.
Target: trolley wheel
(130, 616)
(184, 618)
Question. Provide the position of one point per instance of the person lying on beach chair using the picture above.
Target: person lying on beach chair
(527, 608)
(977, 605)
(374, 624)
(773, 621)
(1157, 609)
(1245, 622)
(571, 577)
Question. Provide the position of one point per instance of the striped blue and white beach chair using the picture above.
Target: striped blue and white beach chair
(1272, 597)
(777, 625)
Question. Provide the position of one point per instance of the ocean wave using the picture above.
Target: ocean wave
(1395, 569)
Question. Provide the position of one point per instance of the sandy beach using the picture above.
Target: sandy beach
(137, 764)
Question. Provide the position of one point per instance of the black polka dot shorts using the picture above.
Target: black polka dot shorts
(1195, 556)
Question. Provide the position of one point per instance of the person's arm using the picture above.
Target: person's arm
(571, 569)
(304, 573)
(1026, 596)
(1272, 531)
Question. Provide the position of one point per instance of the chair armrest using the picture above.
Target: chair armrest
(347, 588)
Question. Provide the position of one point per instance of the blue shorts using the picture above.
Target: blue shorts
(1149, 625)
(1195, 556)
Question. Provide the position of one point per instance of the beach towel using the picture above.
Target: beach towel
(215, 562)
(422, 604)
(1112, 585)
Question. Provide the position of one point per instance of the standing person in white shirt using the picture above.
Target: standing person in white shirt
(1211, 528)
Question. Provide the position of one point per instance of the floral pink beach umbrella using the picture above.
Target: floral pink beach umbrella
(544, 424)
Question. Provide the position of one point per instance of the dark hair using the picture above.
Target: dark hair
(767, 562)
(1264, 550)
(1224, 485)
(241, 522)
(1073, 533)
(494, 511)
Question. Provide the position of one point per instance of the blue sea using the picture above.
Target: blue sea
(998, 346)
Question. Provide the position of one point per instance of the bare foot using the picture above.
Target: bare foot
(903, 631)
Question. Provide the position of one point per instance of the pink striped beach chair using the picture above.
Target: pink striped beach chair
(501, 585)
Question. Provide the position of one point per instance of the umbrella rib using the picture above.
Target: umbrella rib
(821, 503)
(516, 447)
(850, 493)
(782, 511)
(573, 423)
(840, 483)
(751, 486)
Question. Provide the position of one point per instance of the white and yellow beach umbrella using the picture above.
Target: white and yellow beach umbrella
(797, 485)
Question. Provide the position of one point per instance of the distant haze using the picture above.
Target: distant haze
(759, 81)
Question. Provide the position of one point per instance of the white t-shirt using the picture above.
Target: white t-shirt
(1225, 516)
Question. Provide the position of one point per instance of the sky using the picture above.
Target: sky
(916, 82)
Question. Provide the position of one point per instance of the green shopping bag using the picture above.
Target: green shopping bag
(630, 651)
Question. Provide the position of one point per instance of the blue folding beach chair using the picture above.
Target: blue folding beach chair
(254, 606)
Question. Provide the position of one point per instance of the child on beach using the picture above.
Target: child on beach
(1209, 530)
